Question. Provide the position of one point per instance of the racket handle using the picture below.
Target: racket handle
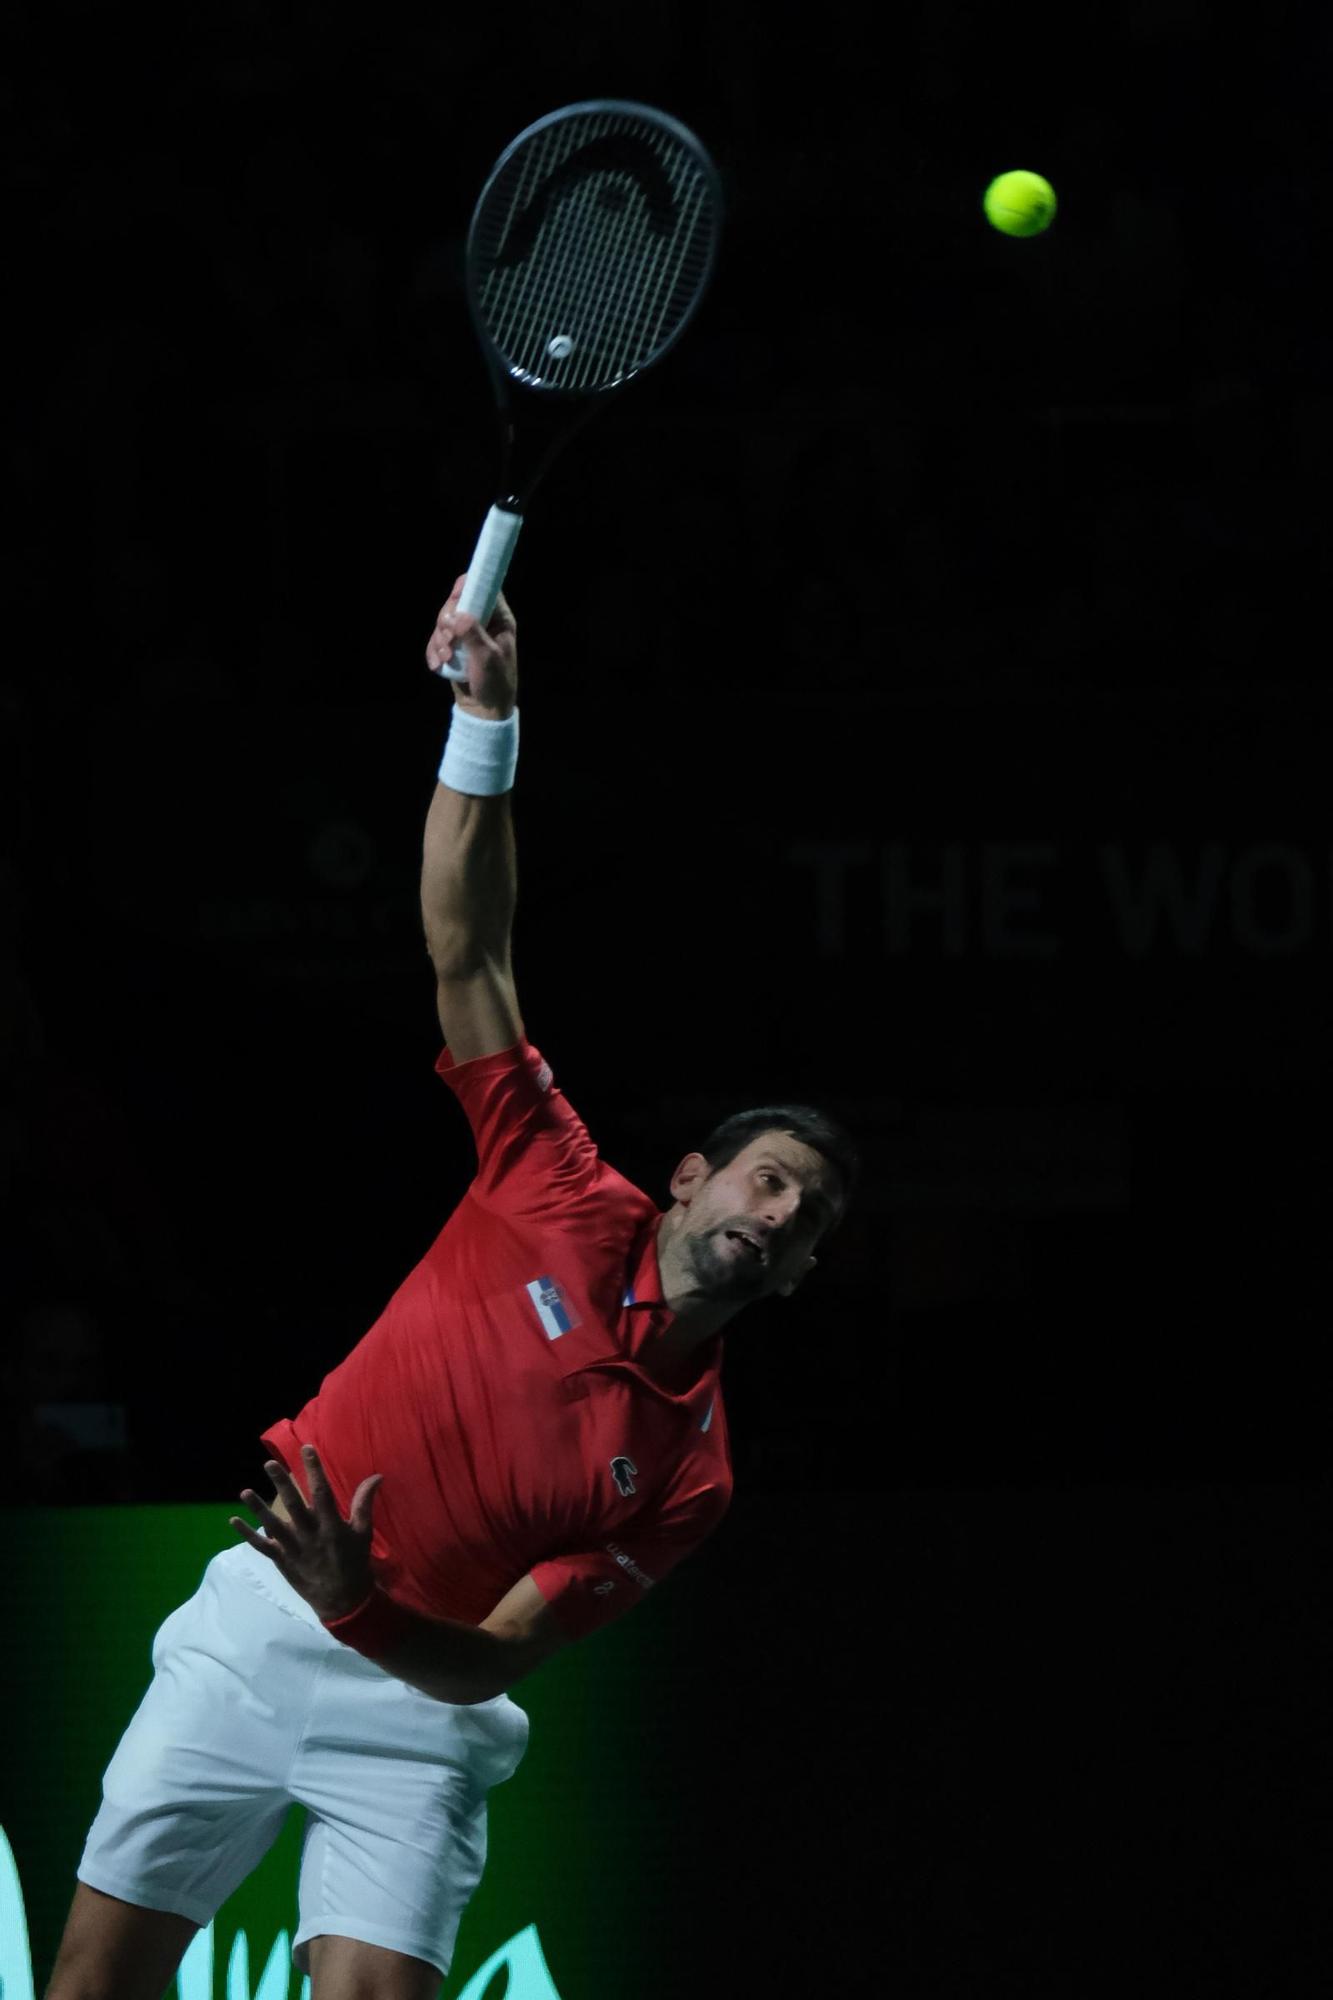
(486, 572)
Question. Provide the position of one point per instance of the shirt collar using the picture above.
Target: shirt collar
(643, 1292)
(648, 1315)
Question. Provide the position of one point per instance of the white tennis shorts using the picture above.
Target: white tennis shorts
(254, 1707)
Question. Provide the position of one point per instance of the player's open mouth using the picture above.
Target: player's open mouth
(744, 1242)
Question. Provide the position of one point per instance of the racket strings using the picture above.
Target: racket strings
(594, 240)
(616, 260)
(601, 274)
(689, 196)
(510, 294)
(636, 267)
(625, 299)
(525, 284)
(569, 265)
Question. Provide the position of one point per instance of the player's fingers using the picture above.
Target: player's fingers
(446, 610)
(438, 649)
(465, 630)
(321, 1493)
(256, 1540)
(363, 1503)
(452, 600)
(440, 645)
(275, 1524)
(502, 619)
(284, 1483)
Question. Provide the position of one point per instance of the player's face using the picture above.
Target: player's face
(751, 1226)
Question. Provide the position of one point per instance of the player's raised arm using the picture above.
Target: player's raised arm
(468, 871)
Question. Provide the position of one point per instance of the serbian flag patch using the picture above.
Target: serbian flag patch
(554, 1311)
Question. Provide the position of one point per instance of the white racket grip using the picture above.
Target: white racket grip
(486, 572)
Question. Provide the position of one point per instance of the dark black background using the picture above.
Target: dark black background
(928, 551)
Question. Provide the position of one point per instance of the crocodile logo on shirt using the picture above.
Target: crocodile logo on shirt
(623, 1471)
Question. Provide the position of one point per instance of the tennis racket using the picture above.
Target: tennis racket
(590, 249)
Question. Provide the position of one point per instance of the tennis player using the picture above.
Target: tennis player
(527, 1440)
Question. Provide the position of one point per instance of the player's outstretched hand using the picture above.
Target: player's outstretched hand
(323, 1556)
(490, 655)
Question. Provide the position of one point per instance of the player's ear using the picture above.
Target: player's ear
(785, 1291)
(689, 1177)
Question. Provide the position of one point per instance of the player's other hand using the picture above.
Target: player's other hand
(324, 1555)
(490, 655)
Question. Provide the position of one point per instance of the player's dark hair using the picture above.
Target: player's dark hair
(813, 1128)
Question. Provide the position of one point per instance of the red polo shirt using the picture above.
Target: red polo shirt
(502, 1391)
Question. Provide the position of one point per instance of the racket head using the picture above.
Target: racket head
(591, 246)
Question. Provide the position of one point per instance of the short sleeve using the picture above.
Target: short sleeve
(589, 1590)
(533, 1149)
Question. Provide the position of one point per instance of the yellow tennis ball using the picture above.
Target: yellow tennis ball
(1019, 203)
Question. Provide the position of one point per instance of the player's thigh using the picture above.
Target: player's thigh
(346, 1969)
(112, 1950)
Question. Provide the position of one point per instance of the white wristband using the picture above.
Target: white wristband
(480, 756)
